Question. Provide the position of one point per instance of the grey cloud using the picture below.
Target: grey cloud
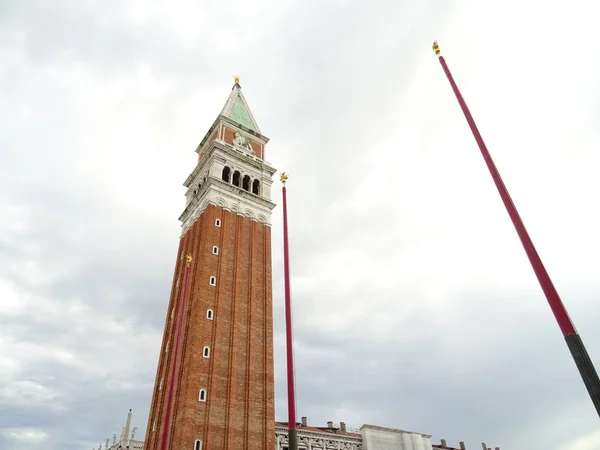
(480, 363)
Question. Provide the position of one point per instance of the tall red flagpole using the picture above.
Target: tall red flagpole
(292, 433)
(179, 324)
(574, 342)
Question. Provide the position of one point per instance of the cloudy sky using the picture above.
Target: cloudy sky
(415, 306)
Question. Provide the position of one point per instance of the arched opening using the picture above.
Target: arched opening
(226, 174)
(256, 187)
(236, 178)
(202, 395)
(198, 444)
(246, 183)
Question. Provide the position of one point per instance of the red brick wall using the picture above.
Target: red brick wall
(239, 412)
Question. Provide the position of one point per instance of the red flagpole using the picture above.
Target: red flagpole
(292, 433)
(574, 343)
(179, 324)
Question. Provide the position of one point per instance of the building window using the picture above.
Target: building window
(215, 250)
(209, 314)
(246, 183)
(198, 444)
(172, 312)
(206, 352)
(160, 385)
(212, 281)
(167, 347)
(236, 178)
(202, 395)
(218, 223)
(226, 176)
(256, 187)
(177, 283)
(154, 425)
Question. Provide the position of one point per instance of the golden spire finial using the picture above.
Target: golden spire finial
(284, 178)
(436, 48)
(188, 260)
(236, 79)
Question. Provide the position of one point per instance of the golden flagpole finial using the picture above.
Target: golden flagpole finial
(284, 178)
(236, 79)
(436, 48)
(188, 260)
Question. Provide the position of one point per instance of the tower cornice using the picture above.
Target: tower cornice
(231, 198)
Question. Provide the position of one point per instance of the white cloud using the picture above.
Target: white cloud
(25, 435)
(588, 442)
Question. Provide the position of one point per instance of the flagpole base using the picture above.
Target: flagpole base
(293, 439)
(586, 368)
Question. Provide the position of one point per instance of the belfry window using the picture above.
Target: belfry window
(202, 395)
(217, 223)
(256, 187)
(209, 314)
(246, 183)
(215, 250)
(212, 281)
(226, 174)
(206, 352)
(236, 178)
(198, 444)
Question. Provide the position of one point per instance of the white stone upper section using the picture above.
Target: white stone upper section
(208, 184)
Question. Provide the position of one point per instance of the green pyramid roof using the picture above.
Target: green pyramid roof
(237, 109)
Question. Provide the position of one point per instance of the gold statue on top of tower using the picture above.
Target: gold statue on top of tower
(188, 260)
(436, 48)
(284, 177)
(236, 79)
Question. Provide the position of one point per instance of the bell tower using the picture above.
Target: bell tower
(214, 387)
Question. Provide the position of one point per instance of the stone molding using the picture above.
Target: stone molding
(313, 440)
